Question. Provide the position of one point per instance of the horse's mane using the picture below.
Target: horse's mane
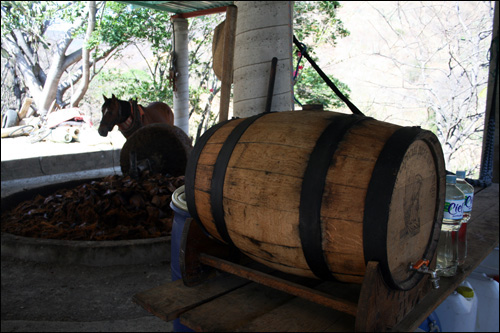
(126, 110)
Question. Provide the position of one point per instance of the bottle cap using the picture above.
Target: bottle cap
(465, 291)
(461, 174)
(452, 179)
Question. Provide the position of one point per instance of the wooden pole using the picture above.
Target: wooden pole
(227, 62)
(493, 100)
(24, 109)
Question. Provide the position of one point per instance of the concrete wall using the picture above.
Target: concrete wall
(33, 172)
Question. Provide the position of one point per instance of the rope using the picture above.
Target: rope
(332, 86)
(296, 73)
(40, 135)
(11, 134)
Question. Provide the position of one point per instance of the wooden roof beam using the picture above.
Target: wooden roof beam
(202, 12)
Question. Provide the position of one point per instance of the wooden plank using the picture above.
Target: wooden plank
(24, 108)
(16, 131)
(259, 308)
(380, 307)
(281, 284)
(482, 236)
(301, 315)
(227, 63)
(201, 12)
(168, 301)
(234, 310)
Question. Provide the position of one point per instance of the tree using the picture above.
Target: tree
(112, 26)
(316, 23)
(440, 51)
(205, 85)
(24, 40)
(149, 35)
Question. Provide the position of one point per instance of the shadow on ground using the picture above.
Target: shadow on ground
(42, 297)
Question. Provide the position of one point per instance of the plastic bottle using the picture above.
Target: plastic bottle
(447, 251)
(457, 313)
(462, 233)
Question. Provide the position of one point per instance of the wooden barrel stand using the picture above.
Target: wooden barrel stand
(378, 307)
(228, 303)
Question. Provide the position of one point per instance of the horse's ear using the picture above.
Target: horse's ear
(105, 99)
(113, 97)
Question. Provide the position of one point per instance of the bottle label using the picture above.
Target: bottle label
(468, 202)
(453, 209)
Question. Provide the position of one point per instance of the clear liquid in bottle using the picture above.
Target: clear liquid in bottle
(468, 191)
(447, 251)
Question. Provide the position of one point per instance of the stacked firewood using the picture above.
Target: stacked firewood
(114, 208)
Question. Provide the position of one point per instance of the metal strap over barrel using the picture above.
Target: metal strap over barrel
(313, 185)
(191, 166)
(379, 195)
(219, 174)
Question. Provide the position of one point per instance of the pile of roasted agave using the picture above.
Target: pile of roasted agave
(114, 208)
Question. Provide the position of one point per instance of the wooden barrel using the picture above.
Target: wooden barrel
(319, 194)
(165, 147)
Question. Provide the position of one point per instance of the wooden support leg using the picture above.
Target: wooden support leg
(380, 308)
(193, 242)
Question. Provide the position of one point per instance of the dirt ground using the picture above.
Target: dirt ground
(41, 297)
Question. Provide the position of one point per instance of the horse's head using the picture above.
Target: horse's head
(110, 115)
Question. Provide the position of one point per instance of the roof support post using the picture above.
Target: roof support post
(263, 31)
(490, 159)
(181, 61)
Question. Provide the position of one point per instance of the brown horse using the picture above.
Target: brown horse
(130, 116)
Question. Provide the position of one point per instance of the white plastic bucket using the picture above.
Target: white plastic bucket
(487, 292)
(458, 312)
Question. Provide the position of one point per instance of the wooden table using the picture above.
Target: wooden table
(230, 303)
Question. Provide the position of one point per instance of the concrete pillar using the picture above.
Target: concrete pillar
(263, 31)
(181, 95)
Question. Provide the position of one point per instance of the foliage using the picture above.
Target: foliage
(316, 23)
(142, 27)
(35, 16)
(24, 28)
(43, 65)
(204, 85)
(313, 90)
(131, 84)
